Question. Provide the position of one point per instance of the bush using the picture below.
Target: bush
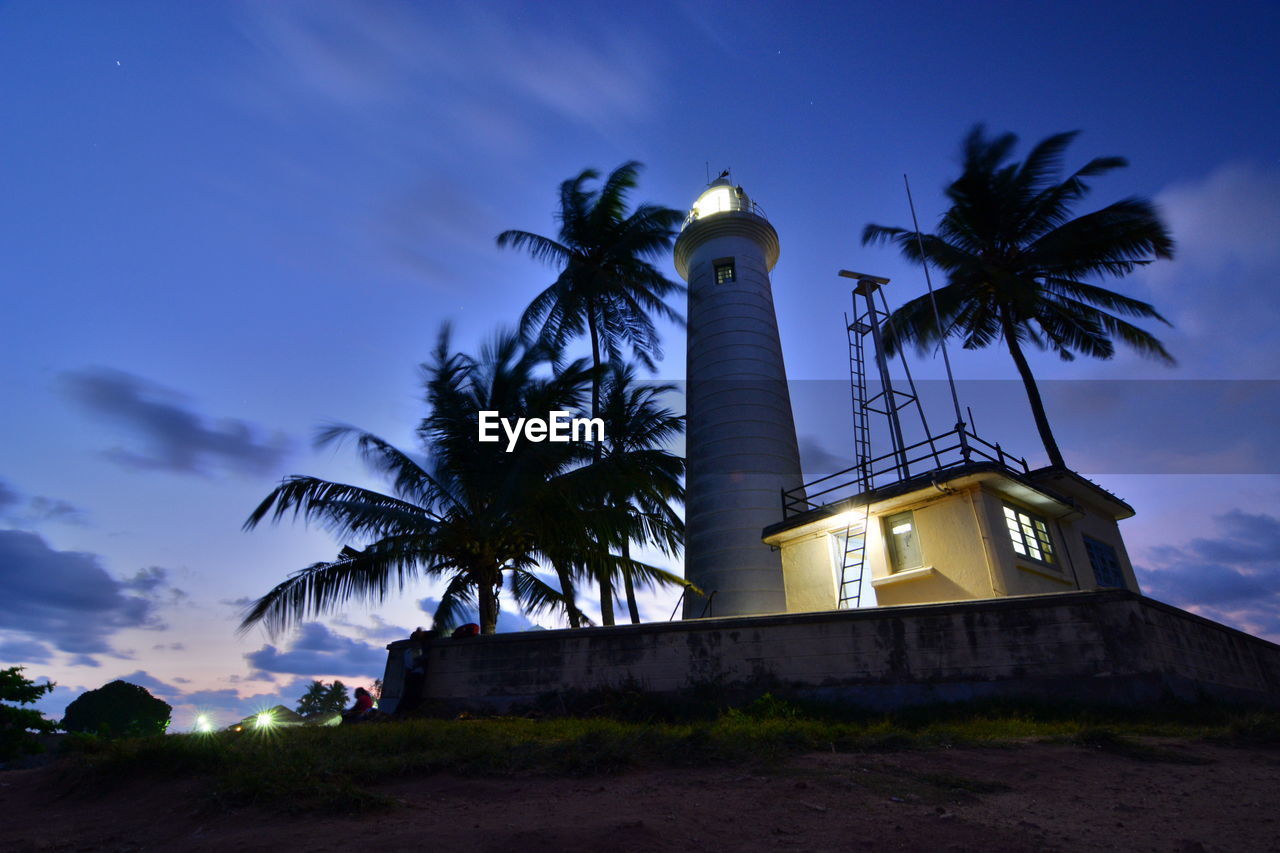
(118, 709)
(20, 728)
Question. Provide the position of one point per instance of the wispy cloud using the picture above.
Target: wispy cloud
(28, 511)
(1221, 284)
(173, 437)
(473, 71)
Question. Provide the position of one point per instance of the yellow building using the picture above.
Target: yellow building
(975, 530)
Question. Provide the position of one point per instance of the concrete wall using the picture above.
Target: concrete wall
(1111, 646)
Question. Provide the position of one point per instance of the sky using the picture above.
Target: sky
(227, 224)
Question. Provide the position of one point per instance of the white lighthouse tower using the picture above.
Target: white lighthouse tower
(741, 437)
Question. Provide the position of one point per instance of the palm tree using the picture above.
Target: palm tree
(636, 428)
(1018, 265)
(607, 288)
(473, 513)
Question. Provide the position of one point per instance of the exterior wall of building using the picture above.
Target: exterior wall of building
(741, 447)
(1019, 575)
(1095, 517)
(966, 549)
(956, 565)
(1112, 646)
(809, 572)
(1072, 570)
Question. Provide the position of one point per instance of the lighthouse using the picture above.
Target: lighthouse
(741, 445)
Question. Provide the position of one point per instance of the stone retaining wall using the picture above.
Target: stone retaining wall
(1109, 646)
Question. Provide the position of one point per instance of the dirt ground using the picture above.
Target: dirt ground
(1029, 798)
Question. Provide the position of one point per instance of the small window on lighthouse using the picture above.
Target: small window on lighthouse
(725, 271)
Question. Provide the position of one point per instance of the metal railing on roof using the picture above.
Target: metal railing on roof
(755, 208)
(950, 450)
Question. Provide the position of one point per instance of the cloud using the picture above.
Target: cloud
(470, 70)
(54, 703)
(21, 650)
(67, 599)
(222, 706)
(8, 497)
(226, 706)
(1225, 219)
(509, 620)
(55, 509)
(1222, 280)
(155, 686)
(316, 650)
(173, 437)
(380, 631)
(1233, 577)
(153, 583)
(16, 507)
(817, 461)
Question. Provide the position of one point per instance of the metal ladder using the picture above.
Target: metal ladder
(854, 560)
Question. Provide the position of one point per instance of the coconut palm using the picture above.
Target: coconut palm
(1019, 266)
(472, 513)
(637, 427)
(607, 288)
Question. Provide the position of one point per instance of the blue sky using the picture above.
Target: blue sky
(229, 223)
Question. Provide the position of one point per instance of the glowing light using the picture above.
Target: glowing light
(264, 720)
(203, 726)
(716, 200)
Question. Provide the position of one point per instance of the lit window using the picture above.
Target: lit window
(725, 272)
(904, 544)
(1029, 534)
(1105, 563)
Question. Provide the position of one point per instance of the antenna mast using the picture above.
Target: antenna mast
(937, 317)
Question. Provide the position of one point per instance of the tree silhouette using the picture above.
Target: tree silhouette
(1018, 264)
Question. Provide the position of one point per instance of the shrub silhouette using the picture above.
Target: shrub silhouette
(118, 709)
(20, 727)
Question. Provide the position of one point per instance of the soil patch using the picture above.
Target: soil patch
(1032, 797)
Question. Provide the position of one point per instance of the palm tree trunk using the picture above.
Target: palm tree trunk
(606, 585)
(629, 585)
(1033, 393)
(606, 600)
(566, 589)
(487, 593)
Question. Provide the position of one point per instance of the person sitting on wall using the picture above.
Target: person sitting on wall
(362, 709)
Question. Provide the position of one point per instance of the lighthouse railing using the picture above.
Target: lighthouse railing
(947, 451)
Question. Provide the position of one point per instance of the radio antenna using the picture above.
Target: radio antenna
(937, 317)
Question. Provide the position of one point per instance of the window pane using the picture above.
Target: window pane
(1029, 535)
(1105, 563)
(904, 543)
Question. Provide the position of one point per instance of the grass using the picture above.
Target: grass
(332, 769)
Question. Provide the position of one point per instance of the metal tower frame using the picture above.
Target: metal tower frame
(888, 402)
